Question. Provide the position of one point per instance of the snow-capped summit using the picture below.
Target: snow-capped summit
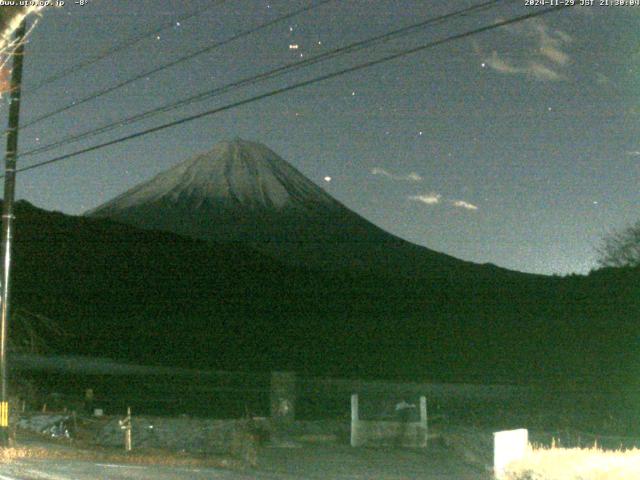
(241, 191)
(234, 174)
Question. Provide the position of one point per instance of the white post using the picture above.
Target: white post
(127, 433)
(125, 424)
(354, 420)
(423, 420)
(508, 446)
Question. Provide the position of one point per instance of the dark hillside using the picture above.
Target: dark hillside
(160, 298)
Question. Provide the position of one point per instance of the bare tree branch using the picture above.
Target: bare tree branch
(10, 19)
(621, 248)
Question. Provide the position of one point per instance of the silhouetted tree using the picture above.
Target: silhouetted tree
(621, 248)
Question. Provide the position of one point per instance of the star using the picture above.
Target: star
(327, 179)
(483, 65)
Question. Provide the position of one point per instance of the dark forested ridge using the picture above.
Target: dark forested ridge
(159, 298)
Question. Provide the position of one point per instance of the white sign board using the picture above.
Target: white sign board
(508, 446)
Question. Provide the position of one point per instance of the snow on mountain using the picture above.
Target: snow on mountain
(233, 174)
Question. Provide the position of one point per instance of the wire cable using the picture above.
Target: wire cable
(127, 43)
(264, 76)
(160, 68)
(296, 86)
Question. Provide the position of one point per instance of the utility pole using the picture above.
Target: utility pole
(7, 219)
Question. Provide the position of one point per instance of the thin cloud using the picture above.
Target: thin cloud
(555, 55)
(555, 35)
(502, 66)
(542, 72)
(463, 204)
(543, 62)
(534, 69)
(435, 199)
(409, 177)
(428, 198)
(634, 153)
(551, 42)
(414, 177)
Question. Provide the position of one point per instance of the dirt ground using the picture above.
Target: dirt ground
(284, 460)
(327, 462)
(345, 462)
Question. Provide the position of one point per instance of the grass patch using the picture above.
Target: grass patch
(31, 446)
(141, 457)
(542, 463)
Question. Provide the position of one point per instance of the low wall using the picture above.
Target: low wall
(384, 432)
(376, 432)
(194, 435)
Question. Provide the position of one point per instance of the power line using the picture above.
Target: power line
(155, 70)
(298, 85)
(127, 43)
(264, 76)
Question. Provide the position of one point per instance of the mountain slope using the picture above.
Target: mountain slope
(154, 297)
(243, 192)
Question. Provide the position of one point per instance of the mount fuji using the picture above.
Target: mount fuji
(353, 300)
(242, 191)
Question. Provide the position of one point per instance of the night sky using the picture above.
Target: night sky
(519, 146)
